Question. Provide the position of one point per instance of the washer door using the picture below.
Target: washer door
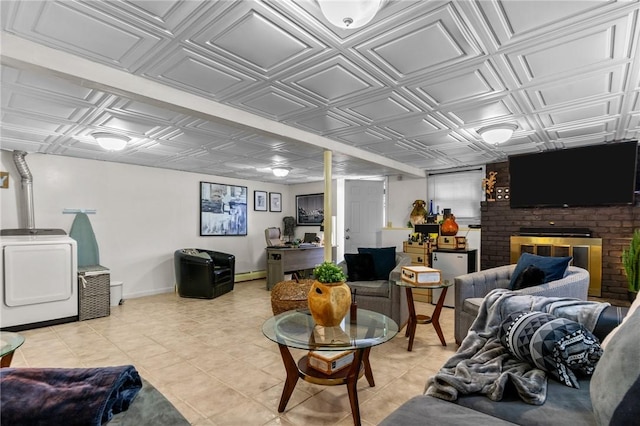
(38, 273)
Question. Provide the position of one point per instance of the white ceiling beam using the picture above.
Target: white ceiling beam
(25, 54)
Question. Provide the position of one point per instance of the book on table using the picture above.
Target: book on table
(418, 274)
(330, 361)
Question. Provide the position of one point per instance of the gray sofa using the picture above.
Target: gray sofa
(471, 288)
(607, 398)
(383, 296)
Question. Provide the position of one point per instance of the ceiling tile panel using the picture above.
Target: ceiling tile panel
(426, 43)
(107, 41)
(596, 110)
(487, 111)
(18, 121)
(47, 108)
(274, 103)
(577, 89)
(333, 80)
(412, 127)
(512, 21)
(324, 123)
(461, 86)
(387, 107)
(258, 41)
(583, 51)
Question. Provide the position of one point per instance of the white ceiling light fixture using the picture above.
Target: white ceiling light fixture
(111, 142)
(349, 14)
(281, 171)
(498, 133)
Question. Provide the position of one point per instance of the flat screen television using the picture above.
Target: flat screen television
(597, 175)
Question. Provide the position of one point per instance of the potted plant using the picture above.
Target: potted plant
(329, 296)
(631, 263)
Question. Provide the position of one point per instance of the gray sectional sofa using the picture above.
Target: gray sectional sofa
(609, 397)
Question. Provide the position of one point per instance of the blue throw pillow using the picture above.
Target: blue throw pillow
(384, 260)
(360, 267)
(553, 267)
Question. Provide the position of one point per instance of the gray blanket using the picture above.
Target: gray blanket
(482, 365)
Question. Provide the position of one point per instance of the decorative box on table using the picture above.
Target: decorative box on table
(330, 361)
(418, 275)
(94, 292)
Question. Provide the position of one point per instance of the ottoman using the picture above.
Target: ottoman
(289, 295)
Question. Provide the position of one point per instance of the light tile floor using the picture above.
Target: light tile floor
(211, 360)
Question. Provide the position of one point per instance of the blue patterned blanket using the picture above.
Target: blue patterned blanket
(69, 396)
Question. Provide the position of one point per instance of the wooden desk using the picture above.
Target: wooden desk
(283, 260)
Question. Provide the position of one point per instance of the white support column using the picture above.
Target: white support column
(328, 226)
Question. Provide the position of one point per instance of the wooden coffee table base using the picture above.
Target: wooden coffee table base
(414, 319)
(347, 376)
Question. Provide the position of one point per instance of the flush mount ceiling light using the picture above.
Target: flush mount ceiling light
(281, 171)
(349, 14)
(498, 133)
(111, 142)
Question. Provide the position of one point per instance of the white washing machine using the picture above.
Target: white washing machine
(39, 280)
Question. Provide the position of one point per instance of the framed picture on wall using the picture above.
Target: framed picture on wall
(260, 201)
(275, 202)
(309, 209)
(223, 209)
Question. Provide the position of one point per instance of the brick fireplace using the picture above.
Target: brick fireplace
(614, 225)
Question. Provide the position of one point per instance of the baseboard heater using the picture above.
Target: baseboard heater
(253, 275)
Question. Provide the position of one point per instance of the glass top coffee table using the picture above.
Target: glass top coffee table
(9, 342)
(415, 319)
(296, 329)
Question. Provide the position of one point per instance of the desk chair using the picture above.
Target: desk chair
(273, 237)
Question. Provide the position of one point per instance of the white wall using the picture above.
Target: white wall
(143, 214)
(400, 198)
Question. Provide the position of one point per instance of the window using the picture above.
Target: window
(459, 191)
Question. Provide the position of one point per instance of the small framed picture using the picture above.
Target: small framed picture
(275, 202)
(260, 201)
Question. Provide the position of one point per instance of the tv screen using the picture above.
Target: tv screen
(597, 175)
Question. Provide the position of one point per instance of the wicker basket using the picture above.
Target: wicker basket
(94, 292)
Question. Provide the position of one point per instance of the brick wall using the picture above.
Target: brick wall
(614, 225)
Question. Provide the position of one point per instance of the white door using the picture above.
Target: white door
(364, 205)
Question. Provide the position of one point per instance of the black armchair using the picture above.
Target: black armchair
(204, 274)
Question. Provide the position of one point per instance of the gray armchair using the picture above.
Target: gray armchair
(383, 296)
(471, 288)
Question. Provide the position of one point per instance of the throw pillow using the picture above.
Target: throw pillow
(615, 384)
(384, 260)
(553, 267)
(530, 276)
(360, 267)
(556, 345)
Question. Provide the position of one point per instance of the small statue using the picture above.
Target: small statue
(489, 185)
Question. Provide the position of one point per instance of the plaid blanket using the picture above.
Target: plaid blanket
(69, 396)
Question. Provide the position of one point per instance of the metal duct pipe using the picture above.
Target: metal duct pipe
(27, 186)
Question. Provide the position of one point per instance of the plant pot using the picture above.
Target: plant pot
(329, 302)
